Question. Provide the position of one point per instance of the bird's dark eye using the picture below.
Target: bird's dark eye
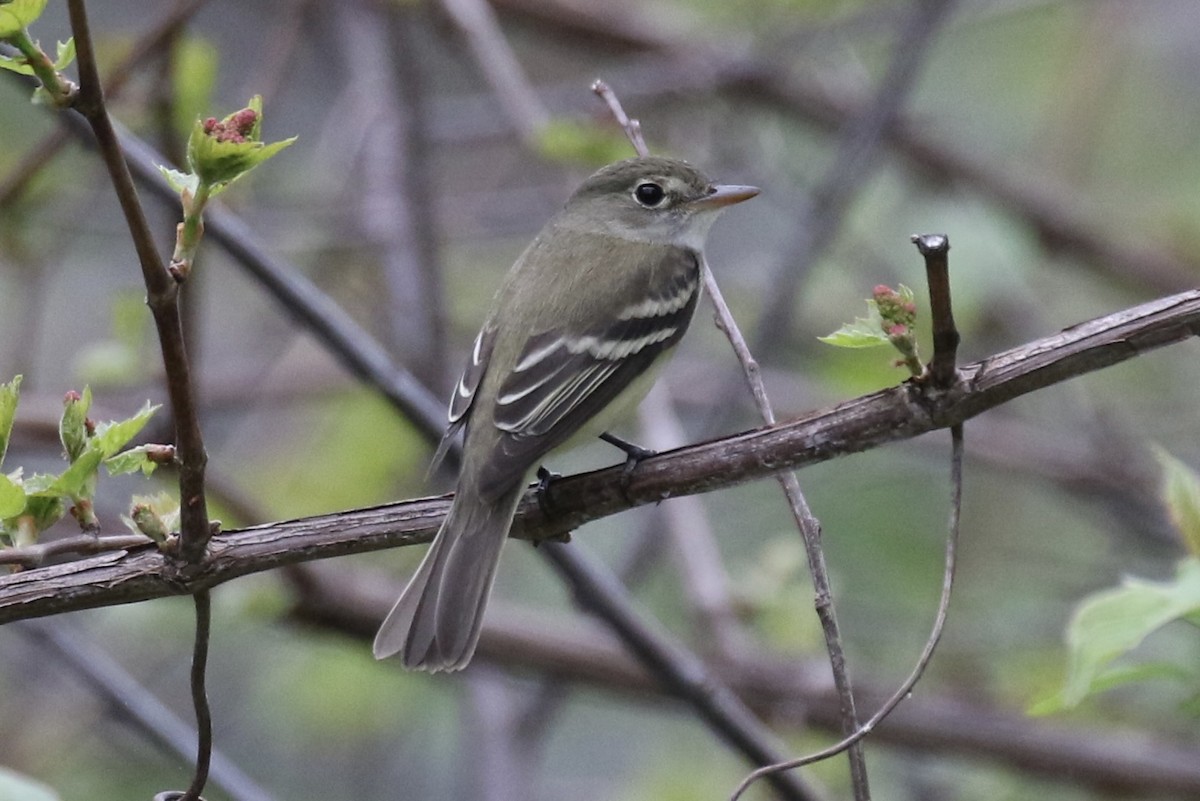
(649, 194)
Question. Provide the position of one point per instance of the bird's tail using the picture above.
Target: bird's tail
(435, 623)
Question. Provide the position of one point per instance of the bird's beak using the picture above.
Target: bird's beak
(721, 195)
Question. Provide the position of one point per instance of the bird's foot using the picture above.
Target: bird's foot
(634, 454)
(544, 479)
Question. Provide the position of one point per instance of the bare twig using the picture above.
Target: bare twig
(632, 128)
(204, 743)
(810, 527)
(861, 424)
(162, 291)
(80, 544)
(810, 531)
(939, 623)
(935, 247)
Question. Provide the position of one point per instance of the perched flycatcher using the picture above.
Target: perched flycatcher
(606, 289)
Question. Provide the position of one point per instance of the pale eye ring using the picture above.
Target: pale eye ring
(649, 194)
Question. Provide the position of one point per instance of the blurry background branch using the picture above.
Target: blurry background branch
(783, 692)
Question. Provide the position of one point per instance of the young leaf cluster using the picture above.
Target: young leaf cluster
(15, 18)
(218, 153)
(31, 504)
(891, 319)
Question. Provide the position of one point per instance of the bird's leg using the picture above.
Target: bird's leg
(544, 479)
(634, 454)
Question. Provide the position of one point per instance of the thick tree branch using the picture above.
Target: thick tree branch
(889, 415)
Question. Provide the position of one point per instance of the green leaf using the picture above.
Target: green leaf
(65, 54)
(219, 163)
(39, 483)
(180, 181)
(1181, 494)
(10, 395)
(1112, 623)
(864, 332)
(113, 436)
(16, 64)
(1110, 679)
(46, 510)
(156, 515)
(255, 105)
(72, 426)
(18, 14)
(225, 151)
(78, 480)
(130, 461)
(12, 497)
(18, 787)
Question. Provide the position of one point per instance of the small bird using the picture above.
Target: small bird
(605, 290)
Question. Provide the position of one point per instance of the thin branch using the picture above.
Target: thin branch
(632, 128)
(939, 623)
(810, 532)
(706, 581)
(204, 743)
(810, 527)
(79, 545)
(162, 291)
(162, 296)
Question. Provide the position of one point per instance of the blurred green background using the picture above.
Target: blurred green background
(408, 195)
